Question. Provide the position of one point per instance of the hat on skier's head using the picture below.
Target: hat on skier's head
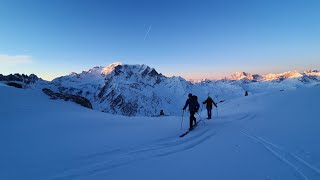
(189, 95)
(209, 97)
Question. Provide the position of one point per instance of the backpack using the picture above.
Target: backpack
(195, 102)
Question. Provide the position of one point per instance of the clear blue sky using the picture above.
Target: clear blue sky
(193, 39)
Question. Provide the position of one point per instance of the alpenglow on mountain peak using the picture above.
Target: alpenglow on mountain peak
(108, 69)
(244, 75)
(118, 69)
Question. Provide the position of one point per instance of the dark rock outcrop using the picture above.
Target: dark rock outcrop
(67, 97)
(13, 84)
(20, 78)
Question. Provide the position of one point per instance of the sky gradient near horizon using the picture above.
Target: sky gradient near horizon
(192, 39)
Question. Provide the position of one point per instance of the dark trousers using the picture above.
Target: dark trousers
(209, 112)
(192, 118)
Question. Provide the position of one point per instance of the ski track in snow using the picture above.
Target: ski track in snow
(155, 145)
(303, 169)
(102, 162)
(116, 158)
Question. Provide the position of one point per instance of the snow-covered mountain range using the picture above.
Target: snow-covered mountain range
(274, 77)
(133, 90)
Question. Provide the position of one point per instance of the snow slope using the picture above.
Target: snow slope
(263, 136)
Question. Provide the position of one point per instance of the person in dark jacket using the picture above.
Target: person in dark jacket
(161, 113)
(193, 104)
(209, 103)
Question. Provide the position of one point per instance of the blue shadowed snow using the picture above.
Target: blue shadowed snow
(263, 136)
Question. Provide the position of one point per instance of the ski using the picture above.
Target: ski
(185, 133)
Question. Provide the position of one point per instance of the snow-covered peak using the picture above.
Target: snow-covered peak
(93, 71)
(108, 69)
(116, 68)
(239, 75)
(312, 73)
(98, 74)
(244, 75)
(270, 77)
(285, 75)
(98, 70)
(73, 74)
(138, 71)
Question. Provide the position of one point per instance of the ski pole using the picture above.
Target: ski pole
(200, 118)
(199, 115)
(217, 112)
(182, 118)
